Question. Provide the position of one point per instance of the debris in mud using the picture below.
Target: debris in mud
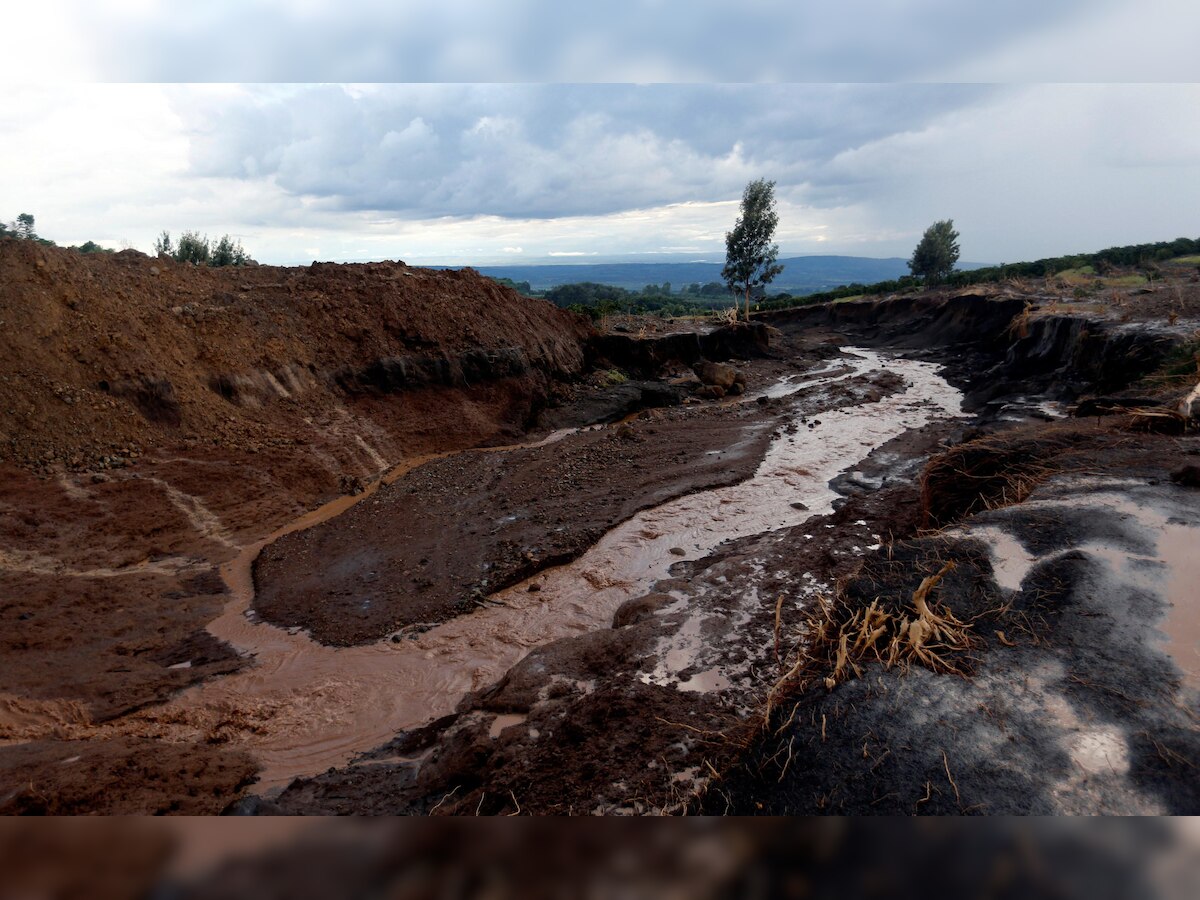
(351, 484)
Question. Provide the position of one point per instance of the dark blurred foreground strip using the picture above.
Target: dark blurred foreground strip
(693, 859)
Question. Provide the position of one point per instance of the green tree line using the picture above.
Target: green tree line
(198, 250)
(1137, 256)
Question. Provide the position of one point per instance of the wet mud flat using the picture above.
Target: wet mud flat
(436, 543)
(633, 672)
(642, 717)
(299, 707)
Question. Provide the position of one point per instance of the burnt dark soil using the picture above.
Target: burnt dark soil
(1071, 646)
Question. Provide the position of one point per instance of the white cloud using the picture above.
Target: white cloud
(462, 174)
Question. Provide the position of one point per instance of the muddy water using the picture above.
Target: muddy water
(305, 707)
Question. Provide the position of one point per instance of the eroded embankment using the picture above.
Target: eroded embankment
(102, 353)
(999, 346)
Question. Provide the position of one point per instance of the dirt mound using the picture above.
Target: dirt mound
(103, 356)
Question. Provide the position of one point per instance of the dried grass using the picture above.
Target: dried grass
(1018, 328)
(727, 316)
(989, 473)
(840, 641)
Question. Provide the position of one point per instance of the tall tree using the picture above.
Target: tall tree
(23, 227)
(935, 256)
(750, 252)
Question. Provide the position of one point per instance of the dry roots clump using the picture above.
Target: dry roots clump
(926, 634)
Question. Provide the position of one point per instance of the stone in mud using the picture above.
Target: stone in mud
(639, 609)
(711, 392)
(717, 374)
(1188, 476)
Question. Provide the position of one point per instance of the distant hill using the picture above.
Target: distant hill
(801, 274)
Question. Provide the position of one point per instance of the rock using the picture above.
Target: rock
(534, 588)
(640, 608)
(716, 374)
(351, 484)
(1188, 476)
(677, 551)
(711, 392)
(625, 432)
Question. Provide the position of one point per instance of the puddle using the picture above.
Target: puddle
(1170, 568)
(305, 707)
(1010, 561)
(501, 722)
(1179, 547)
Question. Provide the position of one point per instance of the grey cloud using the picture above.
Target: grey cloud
(544, 151)
(545, 40)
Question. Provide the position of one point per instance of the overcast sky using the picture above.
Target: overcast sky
(479, 173)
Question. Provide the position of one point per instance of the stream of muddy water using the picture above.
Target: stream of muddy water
(304, 707)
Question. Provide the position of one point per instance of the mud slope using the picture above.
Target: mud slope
(101, 351)
(155, 418)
